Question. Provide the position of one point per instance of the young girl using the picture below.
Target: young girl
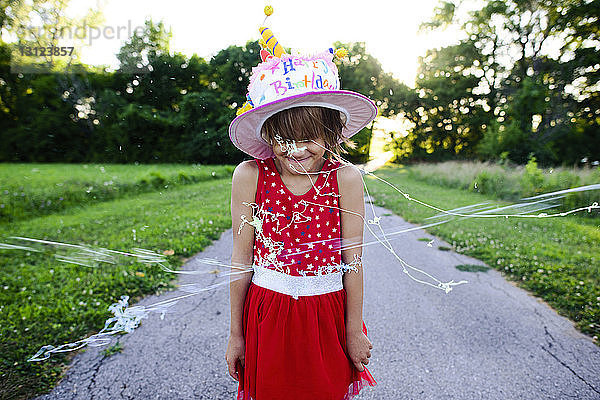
(315, 346)
(297, 214)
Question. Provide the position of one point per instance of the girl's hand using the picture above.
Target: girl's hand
(236, 349)
(359, 349)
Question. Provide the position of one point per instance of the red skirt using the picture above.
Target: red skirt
(296, 349)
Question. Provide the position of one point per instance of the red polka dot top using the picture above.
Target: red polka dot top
(298, 235)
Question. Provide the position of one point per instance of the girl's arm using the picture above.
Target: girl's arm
(243, 189)
(352, 199)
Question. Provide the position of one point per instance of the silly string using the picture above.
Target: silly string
(126, 318)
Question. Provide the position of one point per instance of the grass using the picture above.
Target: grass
(115, 348)
(510, 182)
(557, 259)
(28, 190)
(44, 301)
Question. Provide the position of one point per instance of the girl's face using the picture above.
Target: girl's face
(309, 158)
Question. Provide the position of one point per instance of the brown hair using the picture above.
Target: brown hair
(308, 123)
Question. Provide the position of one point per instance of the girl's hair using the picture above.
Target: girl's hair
(308, 123)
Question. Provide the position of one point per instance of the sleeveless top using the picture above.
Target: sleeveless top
(299, 234)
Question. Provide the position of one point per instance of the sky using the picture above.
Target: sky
(388, 28)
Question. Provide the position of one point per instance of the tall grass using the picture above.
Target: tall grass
(511, 182)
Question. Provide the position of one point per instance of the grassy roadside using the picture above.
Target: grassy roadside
(44, 301)
(556, 259)
(511, 182)
(29, 190)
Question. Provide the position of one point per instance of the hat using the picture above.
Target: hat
(282, 81)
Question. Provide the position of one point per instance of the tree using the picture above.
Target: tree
(361, 72)
(230, 72)
(447, 113)
(55, 26)
(578, 22)
(146, 44)
(519, 100)
(204, 124)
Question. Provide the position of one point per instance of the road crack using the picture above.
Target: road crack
(570, 369)
(92, 383)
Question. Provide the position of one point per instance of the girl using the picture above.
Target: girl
(314, 347)
(297, 215)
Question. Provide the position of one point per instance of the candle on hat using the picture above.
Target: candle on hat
(271, 41)
(268, 39)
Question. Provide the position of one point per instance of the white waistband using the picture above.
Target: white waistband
(296, 285)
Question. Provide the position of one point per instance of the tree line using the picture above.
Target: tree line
(157, 107)
(496, 94)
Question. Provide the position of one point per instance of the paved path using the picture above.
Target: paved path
(485, 340)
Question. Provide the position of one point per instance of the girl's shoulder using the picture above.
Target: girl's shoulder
(245, 175)
(347, 175)
(248, 167)
(351, 190)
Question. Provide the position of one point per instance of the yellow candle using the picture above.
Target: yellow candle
(271, 41)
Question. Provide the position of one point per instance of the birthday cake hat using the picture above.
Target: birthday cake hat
(283, 81)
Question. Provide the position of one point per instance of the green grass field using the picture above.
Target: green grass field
(557, 259)
(45, 301)
(27, 190)
(511, 182)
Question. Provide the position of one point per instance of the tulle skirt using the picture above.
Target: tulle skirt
(296, 349)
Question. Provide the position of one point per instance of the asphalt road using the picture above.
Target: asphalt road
(484, 340)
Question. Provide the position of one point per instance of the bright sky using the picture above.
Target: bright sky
(389, 28)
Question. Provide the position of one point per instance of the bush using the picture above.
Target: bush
(532, 181)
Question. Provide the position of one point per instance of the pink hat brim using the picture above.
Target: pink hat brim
(244, 130)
